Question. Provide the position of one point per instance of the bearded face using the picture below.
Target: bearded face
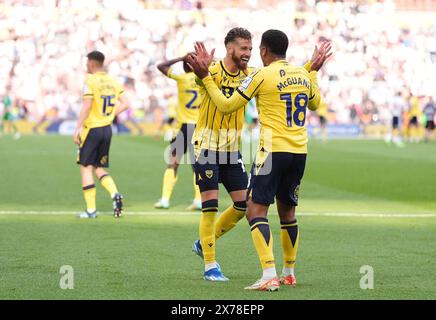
(241, 52)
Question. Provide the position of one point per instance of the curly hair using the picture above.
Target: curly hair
(235, 33)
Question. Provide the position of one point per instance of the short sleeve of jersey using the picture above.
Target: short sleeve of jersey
(171, 74)
(87, 88)
(251, 84)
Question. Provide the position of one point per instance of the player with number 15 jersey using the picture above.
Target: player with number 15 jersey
(102, 101)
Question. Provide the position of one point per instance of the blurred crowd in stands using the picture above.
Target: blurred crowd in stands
(379, 50)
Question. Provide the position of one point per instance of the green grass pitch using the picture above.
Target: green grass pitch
(148, 256)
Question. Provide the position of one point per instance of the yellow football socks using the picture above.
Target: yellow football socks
(289, 236)
(207, 229)
(229, 218)
(108, 183)
(169, 181)
(263, 242)
(89, 193)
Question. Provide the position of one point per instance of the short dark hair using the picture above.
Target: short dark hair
(237, 33)
(96, 56)
(276, 41)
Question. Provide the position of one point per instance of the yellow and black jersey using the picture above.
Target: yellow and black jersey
(215, 130)
(283, 93)
(104, 92)
(188, 96)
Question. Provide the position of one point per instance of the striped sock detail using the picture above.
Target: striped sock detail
(103, 176)
(263, 226)
(88, 187)
(209, 206)
(240, 205)
(285, 224)
(257, 221)
(292, 228)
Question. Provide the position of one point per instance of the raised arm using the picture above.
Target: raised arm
(164, 67)
(319, 57)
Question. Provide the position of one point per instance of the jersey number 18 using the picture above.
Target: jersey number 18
(299, 115)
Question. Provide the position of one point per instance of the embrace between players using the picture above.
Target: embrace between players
(283, 93)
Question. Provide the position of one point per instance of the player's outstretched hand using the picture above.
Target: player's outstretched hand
(321, 55)
(200, 61)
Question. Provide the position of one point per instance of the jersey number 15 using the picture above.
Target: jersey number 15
(108, 105)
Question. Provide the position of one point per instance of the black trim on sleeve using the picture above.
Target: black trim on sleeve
(242, 94)
(312, 97)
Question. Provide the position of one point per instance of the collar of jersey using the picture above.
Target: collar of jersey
(228, 72)
(279, 61)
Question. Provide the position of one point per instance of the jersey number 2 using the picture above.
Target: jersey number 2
(108, 105)
(299, 116)
(189, 105)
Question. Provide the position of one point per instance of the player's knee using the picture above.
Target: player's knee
(239, 196)
(255, 210)
(291, 214)
(209, 195)
(286, 213)
(99, 172)
(86, 169)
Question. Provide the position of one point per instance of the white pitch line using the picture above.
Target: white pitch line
(182, 213)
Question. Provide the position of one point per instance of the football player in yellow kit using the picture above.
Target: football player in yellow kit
(218, 160)
(186, 118)
(103, 99)
(283, 93)
(217, 157)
